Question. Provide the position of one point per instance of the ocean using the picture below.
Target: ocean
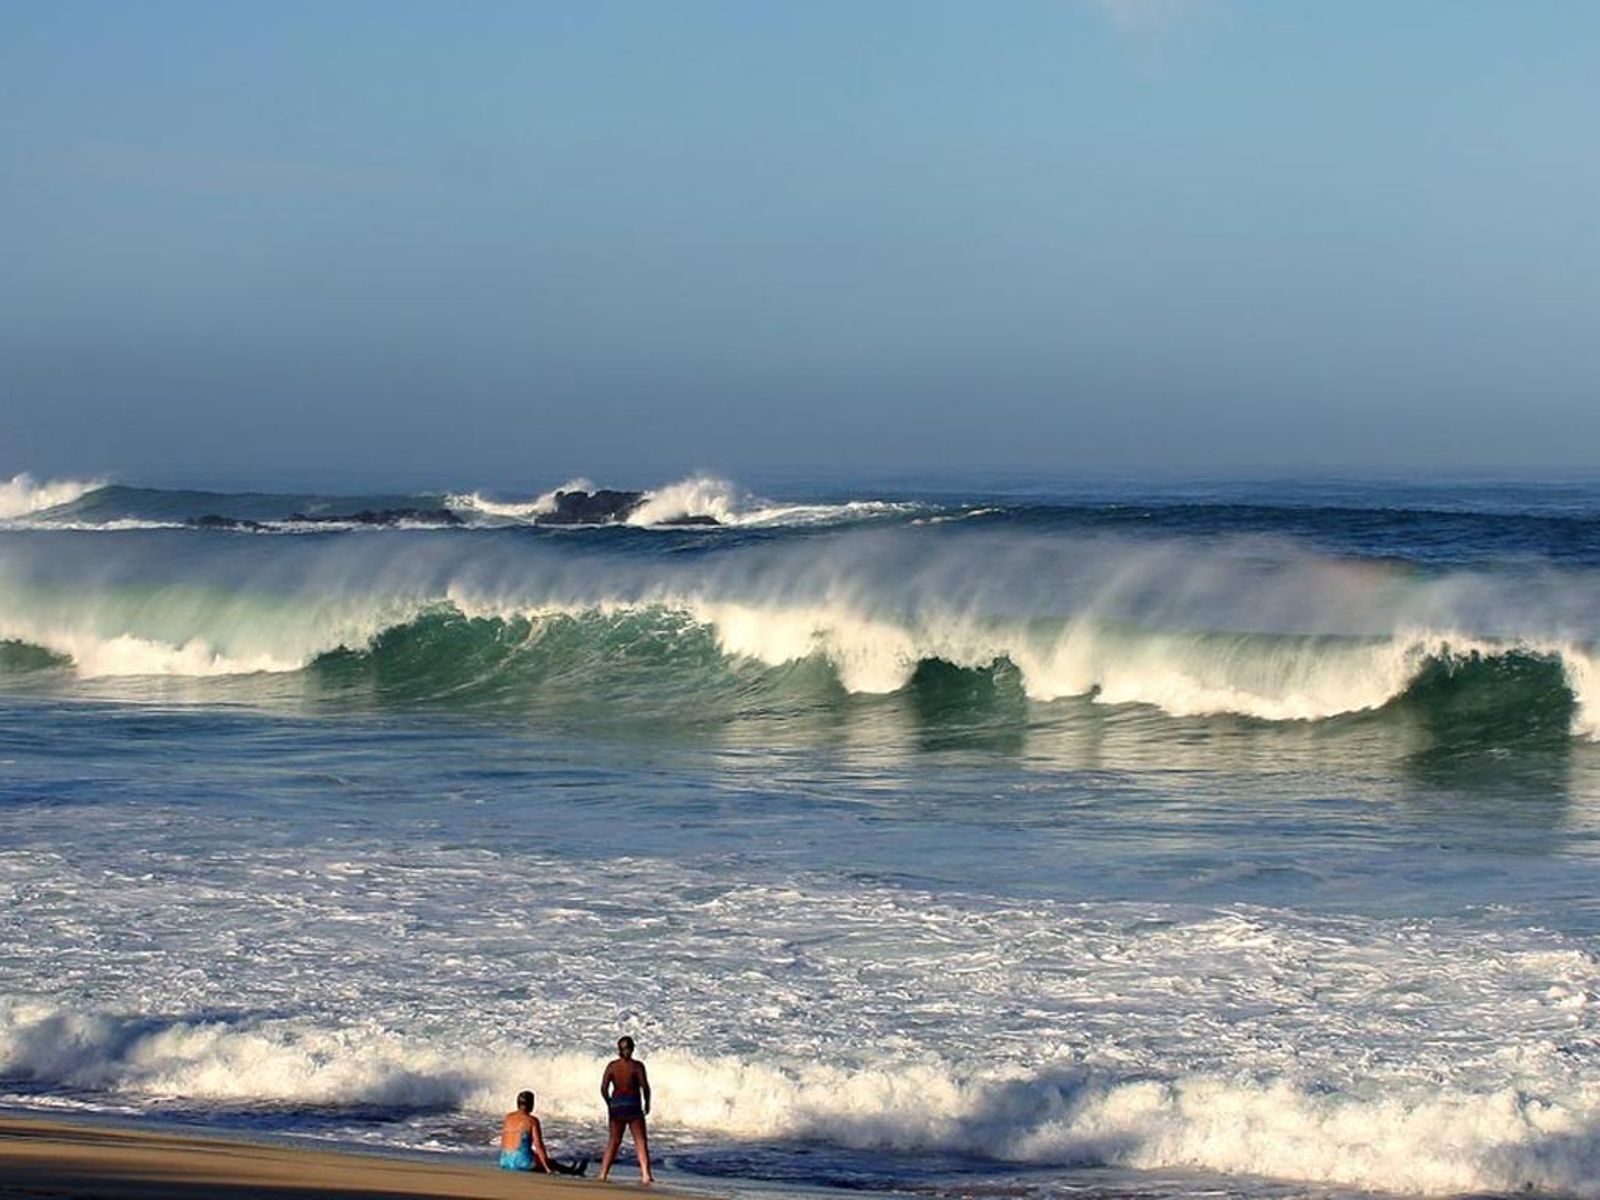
(1075, 840)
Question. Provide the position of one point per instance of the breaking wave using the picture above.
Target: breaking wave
(22, 495)
(1425, 1139)
(725, 659)
(1247, 627)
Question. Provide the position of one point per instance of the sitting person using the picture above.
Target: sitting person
(522, 1143)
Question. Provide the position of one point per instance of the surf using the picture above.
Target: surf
(1390, 1136)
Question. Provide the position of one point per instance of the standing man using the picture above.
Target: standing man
(626, 1090)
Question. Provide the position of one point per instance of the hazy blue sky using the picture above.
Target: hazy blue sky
(469, 242)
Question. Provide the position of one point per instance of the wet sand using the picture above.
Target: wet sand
(87, 1161)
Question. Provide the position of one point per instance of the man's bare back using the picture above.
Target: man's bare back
(625, 1087)
(627, 1077)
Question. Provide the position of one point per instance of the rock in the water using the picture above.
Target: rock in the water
(601, 507)
(213, 521)
(604, 507)
(383, 516)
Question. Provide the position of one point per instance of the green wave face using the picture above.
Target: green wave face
(24, 658)
(649, 662)
(662, 666)
(994, 631)
(659, 665)
(1487, 698)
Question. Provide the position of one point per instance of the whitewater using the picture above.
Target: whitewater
(1111, 839)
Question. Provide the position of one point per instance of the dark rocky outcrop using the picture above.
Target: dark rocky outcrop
(601, 507)
(213, 521)
(382, 516)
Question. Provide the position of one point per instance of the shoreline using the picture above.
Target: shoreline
(57, 1157)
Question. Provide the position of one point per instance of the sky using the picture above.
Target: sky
(483, 242)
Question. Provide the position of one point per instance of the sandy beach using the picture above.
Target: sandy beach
(54, 1158)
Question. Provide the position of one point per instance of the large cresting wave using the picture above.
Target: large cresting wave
(1244, 626)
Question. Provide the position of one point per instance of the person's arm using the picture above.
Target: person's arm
(607, 1083)
(644, 1089)
(538, 1147)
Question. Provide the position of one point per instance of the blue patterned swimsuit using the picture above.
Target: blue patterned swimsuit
(520, 1159)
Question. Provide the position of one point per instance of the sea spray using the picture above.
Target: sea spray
(22, 495)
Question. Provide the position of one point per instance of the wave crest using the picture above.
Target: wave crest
(23, 495)
(723, 659)
(1253, 629)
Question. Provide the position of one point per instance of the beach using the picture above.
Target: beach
(55, 1158)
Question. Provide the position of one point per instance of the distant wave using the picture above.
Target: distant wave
(22, 495)
(711, 505)
(94, 505)
(696, 497)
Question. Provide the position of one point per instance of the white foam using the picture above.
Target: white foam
(1582, 671)
(126, 655)
(516, 510)
(697, 496)
(1421, 1139)
(218, 1060)
(1201, 675)
(708, 496)
(1405, 1055)
(116, 525)
(22, 494)
(870, 656)
(764, 513)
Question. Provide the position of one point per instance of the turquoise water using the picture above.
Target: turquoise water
(1132, 841)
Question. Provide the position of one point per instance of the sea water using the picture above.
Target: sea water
(1064, 841)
